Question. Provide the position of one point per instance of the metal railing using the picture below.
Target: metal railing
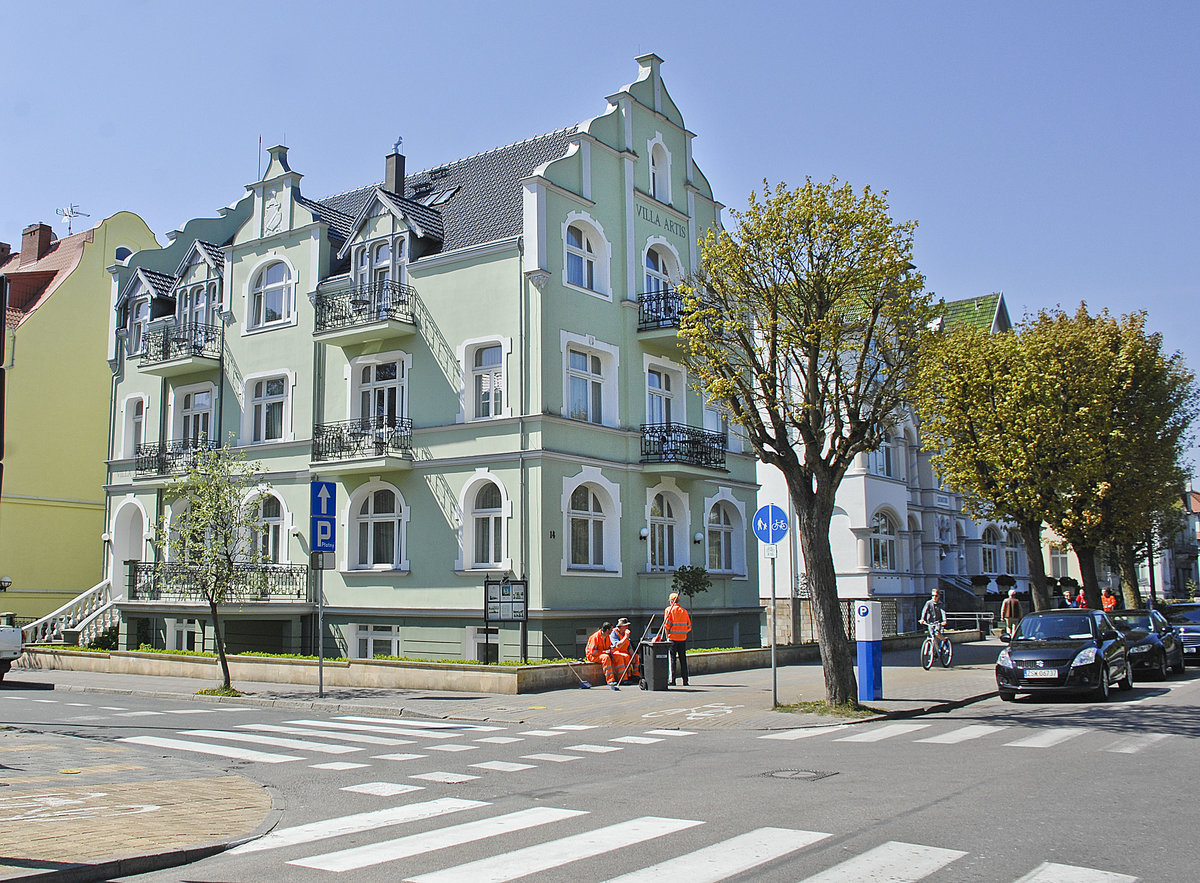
(90, 613)
(981, 620)
(659, 309)
(170, 457)
(182, 341)
(373, 436)
(364, 305)
(178, 583)
(679, 443)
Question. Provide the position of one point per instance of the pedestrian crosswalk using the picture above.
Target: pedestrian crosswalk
(949, 733)
(584, 843)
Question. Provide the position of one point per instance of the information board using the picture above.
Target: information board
(505, 600)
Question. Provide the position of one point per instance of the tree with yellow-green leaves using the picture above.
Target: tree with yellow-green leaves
(805, 324)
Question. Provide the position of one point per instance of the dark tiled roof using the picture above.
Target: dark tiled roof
(213, 253)
(977, 312)
(430, 219)
(487, 203)
(160, 282)
(339, 222)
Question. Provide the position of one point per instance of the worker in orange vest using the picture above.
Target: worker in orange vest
(625, 660)
(677, 625)
(599, 649)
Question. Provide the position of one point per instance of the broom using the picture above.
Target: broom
(583, 685)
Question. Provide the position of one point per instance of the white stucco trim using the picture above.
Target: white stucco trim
(292, 306)
(609, 494)
(349, 528)
(466, 527)
(466, 358)
(603, 255)
(246, 429)
(725, 495)
(610, 363)
(683, 521)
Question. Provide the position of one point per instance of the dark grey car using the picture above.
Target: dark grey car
(1064, 651)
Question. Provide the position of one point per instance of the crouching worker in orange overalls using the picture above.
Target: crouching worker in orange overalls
(625, 659)
(599, 649)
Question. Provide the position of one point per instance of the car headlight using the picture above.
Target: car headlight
(1140, 648)
(1004, 660)
(1086, 656)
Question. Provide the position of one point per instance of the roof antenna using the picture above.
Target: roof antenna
(69, 213)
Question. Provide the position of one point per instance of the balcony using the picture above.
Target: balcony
(182, 349)
(174, 457)
(364, 313)
(364, 444)
(676, 448)
(167, 582)
(658, 318)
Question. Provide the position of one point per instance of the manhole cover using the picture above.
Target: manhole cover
(803, 775)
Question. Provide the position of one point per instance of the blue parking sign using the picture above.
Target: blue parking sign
(323, 509)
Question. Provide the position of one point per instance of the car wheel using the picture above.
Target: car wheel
(1102, 689)
(1007, 695)
(1126, 683)
(1161, 671)
(1182, 664)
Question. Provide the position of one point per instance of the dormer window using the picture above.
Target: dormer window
(139, 320)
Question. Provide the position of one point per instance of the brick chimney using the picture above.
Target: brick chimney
(393, 179)
(35, 242)
(5, 252)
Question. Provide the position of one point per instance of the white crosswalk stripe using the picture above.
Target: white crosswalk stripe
(340, 724)
(345, 736)
(231, 751)
(382, 789)
(499, 740)
(892, 862)
(1052, 872)
(421, 724)
(353, 824)
(635, 740)
(804, 733)
(593, 749)
(1047, 738)
(360, 857)
(542, 733)
(1134, 744)
(272, 741)
(555, 853)
(502, 766)
(447, 778)
(733, 856)
(337, 766)
(553, 758)
(963, 734)
(878, 734)
(670, 733)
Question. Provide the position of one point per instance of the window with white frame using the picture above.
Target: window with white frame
(379, 525)
(720, 538)
(487, 381)
(587, 529)
(139, 322)
(883, 543)
(581, 257)
(381, 263)
(135, 425)
(662, 534)
(658, 280)
(268, 407)
(585, 386)
(268, 530)
(660, 171)
(990, 549)
(487, 517)
(382, 391)
(377, 640)
(195, 417)
(1012, 556)
(270, 296)
(1060, 562)
(659, 397)
(880, 460)
(197, 305)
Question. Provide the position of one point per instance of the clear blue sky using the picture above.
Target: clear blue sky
(1049, 150)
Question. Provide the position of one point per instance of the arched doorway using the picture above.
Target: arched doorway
(128, 541)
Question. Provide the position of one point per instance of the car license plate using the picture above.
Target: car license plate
(1040, 673)
(1195, 649)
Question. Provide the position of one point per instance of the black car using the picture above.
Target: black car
(1153, 643)
(1064, 651)
(1185, 619)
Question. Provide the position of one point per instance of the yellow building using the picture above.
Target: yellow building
(56, 407)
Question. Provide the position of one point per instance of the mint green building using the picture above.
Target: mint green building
(481, 359)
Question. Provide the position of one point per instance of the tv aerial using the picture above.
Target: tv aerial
(70, 213)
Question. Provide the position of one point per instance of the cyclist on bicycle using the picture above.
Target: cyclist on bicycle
(933, 614)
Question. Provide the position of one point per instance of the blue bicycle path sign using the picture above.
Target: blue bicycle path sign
(770, 524)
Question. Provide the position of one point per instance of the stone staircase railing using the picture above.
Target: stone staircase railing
(88, 614)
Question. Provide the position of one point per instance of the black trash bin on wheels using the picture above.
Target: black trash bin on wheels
(655, 664)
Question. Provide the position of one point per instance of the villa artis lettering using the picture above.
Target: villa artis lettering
(669, 224)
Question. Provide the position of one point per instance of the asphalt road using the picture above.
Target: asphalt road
(993, 792)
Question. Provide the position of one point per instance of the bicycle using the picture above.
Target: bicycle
(936, 646)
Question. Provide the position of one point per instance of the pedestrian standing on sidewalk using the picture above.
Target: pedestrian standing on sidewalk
(677, 625)
(1010, 612)
(1108, 600)
(1066, 598)
(599, 649)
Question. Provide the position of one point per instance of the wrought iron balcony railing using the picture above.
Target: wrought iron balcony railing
(170, 457)
(371, 436)
(251, 583)
(678, 443)
(659, 309)
(363, 305)
(182, 341)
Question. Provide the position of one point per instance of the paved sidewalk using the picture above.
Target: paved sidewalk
(84, 809)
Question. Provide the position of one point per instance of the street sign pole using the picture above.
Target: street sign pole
(323, 538)
(771, 526)
(320, 556)
(774, 639)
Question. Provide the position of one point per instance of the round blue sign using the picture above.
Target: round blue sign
(770, 524)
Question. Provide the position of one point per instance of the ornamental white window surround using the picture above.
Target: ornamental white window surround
(379, 388)
(484, 393)
(139, 323)
(1012, 553)
(586, 537)
(664, 529)
(666, 388)
(135, 425)
(725, 534)
(1060, 562)
(269, 530)
(267, 415)
(883, 543)
(193, 416)
(659, 169)
(585, 386)
(487, 527)
(271, 300)
(989, 550)
(591, 507)
(378, 527)
(586, 255)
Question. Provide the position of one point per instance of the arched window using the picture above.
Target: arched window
(658, 279)
(268, 529)
(585, 386)
(139, 320)
(362, 267)
(135, 427)
(380, 528)
(990, 549)
(883, 543)
(195, 418)
(581, 258)
(587, 529)
(382, 262)
(382, 393)
(662, 534)
(488, 526)
(720, 539)
(880, 460)
(122, 253)
(487, 375)
(270, 296)
(660, 172)
(1012, 553)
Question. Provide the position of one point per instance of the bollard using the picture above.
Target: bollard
(868, 631)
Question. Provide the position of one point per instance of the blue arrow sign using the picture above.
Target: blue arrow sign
(324, 498)
(323, 509)
(770, 524)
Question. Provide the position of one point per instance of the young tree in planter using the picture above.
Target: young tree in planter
(213, 537)
(805, 324)
(690, 581)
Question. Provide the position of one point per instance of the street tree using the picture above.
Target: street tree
(214, 535)
(805, 324)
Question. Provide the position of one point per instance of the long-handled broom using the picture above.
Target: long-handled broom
(629, 664)
(583, 685)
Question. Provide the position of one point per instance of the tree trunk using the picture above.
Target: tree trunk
(1086, 555)
(1127, 561)
(219, 642)
(1031, 535)
(837, 654)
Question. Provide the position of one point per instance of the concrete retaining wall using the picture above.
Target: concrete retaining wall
(396, 675)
